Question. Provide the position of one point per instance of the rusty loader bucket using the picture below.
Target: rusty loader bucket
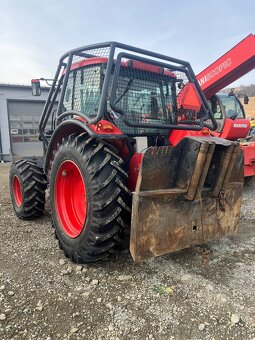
(186, 195)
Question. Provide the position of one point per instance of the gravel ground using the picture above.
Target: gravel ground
(178, 296)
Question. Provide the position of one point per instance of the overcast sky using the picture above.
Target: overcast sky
(34, 34)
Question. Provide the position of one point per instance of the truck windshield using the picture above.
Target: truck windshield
(231, 106)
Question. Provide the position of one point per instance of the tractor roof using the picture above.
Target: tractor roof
(129, 63)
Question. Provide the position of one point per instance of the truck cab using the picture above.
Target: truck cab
(230, 116)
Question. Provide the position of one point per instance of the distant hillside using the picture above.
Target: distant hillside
(249, 90)
(250, 108)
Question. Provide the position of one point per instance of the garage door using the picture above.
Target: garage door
(24, 119)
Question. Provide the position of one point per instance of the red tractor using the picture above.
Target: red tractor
(113, 174)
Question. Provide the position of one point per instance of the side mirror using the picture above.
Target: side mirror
(180, 85)
(246, 99)
(36, 87)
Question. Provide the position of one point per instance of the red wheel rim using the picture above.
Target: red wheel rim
(70, 198)
(17, 191)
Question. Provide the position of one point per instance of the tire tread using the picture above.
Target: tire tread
(111, 200)
(34, 183)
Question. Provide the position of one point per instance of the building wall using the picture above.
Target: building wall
(11, 95)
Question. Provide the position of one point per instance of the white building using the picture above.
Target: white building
(19, 118)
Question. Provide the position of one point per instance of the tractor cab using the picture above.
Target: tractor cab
(139, 96)
(143, 94)
(230, 116)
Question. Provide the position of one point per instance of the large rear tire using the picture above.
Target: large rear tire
(90, 202)
(27, 183)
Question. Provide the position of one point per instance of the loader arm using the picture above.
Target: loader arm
(234, 64)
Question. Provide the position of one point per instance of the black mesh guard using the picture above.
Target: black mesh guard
(148, 98)
(143, 97)
(85, 81)
(142, 93)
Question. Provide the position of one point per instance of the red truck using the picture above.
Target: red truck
(227, 108)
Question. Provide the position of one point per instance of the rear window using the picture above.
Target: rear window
(83, 90)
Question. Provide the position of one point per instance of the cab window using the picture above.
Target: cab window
(83, 90)
(215, 107)
(232, 107)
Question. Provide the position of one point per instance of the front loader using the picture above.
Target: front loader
(114, 177)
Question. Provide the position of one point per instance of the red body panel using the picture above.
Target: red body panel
(234, 129)
(86, 62)
(91, 61)
(249, 159)
(138, 65)
(134, 64)
(231, 66)
(177, 135)
(134, 166)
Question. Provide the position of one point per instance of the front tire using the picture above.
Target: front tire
(89, 199)
(27, 183)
